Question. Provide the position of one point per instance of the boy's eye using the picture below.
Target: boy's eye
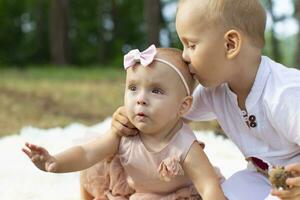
(191, 46)
(132, 87)
(157, 91)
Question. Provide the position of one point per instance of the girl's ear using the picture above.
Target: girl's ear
(185, 105)
(233, 43)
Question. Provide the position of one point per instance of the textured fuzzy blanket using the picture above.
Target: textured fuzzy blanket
(19, 179)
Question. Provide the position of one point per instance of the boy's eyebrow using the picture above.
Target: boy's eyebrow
(186, 39)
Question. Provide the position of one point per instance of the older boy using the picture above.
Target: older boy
(255, 100)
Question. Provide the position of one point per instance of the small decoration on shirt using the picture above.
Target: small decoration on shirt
(169, 168)
(250, 120)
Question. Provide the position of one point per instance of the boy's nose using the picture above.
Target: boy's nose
(185, 56)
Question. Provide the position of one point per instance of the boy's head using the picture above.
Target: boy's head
(247, 16)
(158, 88)
(215, 32)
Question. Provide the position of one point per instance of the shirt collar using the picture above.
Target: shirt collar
(258, 85)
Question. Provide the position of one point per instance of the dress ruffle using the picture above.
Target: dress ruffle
(186, 193)
(169, 168)
(107, 180)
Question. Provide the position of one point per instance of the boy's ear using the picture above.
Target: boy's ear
(233, 42)
(185, 105)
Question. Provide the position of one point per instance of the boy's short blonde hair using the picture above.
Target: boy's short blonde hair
(248, 16)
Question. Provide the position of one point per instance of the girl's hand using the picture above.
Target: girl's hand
(40, 157)
(121, 125)
(294, 183)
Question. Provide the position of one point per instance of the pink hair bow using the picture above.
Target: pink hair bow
(135, 56)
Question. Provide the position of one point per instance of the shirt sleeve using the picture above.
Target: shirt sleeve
(285, 114)
(201, 110)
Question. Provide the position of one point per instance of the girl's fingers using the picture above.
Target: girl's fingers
(33, 147)
(36, 148)
(28, 153)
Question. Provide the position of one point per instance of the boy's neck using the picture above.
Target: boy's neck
(158, 141)
(247, 66)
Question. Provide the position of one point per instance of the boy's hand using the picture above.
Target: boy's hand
(294, 183)
(121, 124)
(40, 157)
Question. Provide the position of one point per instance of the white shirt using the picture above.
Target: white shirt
(275, 102)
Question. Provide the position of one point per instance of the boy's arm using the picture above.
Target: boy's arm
(201, 172)
(84, 156)
(285, 117)
(201, 109)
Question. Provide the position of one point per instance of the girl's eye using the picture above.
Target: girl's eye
(132, 88)
(157, 91)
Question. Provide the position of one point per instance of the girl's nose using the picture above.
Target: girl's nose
(141, 101)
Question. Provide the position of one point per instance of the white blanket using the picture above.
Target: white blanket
(21, 180)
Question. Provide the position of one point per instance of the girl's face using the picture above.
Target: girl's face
(153, 97)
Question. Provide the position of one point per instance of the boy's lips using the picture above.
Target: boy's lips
(193, 76)
(191, 69)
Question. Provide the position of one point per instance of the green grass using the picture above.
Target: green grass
(51, 96)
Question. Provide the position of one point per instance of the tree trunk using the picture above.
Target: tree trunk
(101, 42)
(41, 27)
(297, 14)
(152, 18)
(105, 8)
(59, 40)
(274, 41)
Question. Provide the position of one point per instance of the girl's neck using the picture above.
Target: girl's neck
(157, 141)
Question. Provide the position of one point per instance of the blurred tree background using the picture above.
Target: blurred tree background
(77, 32)
(60, 59)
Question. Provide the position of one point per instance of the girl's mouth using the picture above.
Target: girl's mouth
(141, 117)
(141, 114)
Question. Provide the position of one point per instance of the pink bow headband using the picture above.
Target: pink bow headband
(146, 58)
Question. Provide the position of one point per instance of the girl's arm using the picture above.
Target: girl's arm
(75, 158)
(201, 172)
(84, 156)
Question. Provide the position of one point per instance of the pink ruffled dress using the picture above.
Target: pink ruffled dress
(139, 174)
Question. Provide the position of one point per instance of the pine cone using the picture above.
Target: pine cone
(278, 176)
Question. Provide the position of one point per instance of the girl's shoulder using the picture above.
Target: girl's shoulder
(183, 141)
